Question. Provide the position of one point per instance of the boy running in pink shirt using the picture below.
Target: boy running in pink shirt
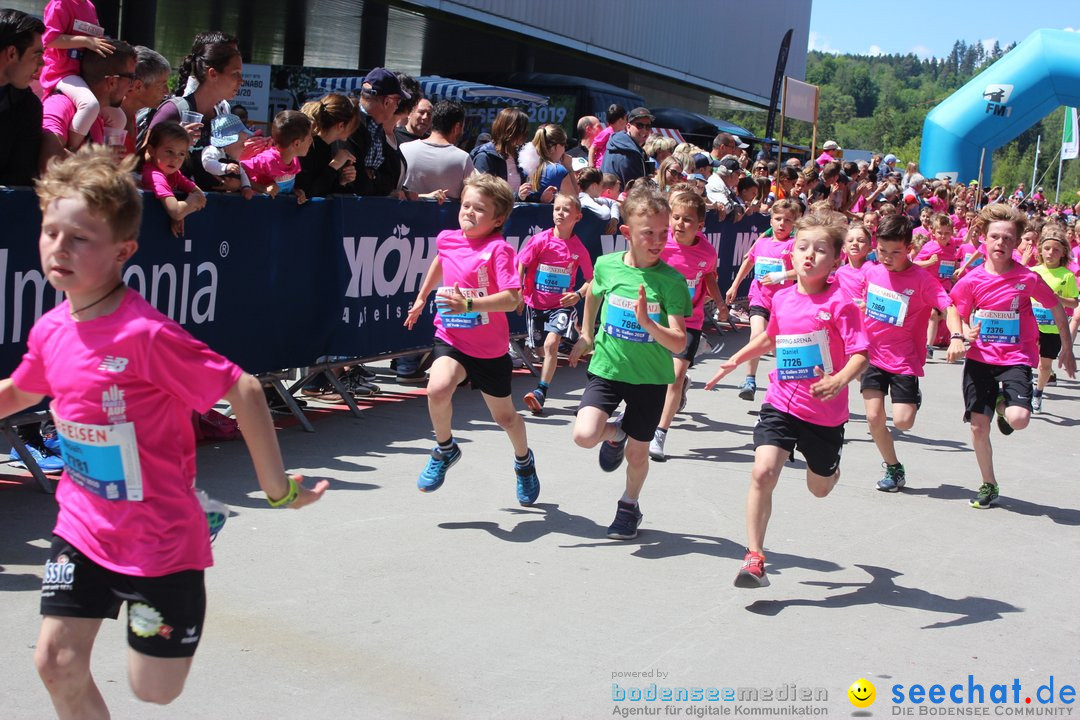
(938, 256)
(770, 261)
(478, 283)
(994, 301)
(820, 347)
(275, 168)
(124, 379)
(851, 276)
(548, 265)
(898, 300)
(688, 251)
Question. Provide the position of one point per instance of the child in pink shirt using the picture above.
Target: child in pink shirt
(938, 256)
(163, 155)
(478, 284)
(548, 265)
(274, 170)
(851, 276)
(899, 297)
(616, 122)
(688, 251)
(820, 347)
(994, 301)
(71, 28)
(770, 260)
(124, 380)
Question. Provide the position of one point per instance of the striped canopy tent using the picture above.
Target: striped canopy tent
(670, 133)
(439, 88)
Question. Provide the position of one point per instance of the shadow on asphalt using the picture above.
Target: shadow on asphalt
(1062, 516)
(546, 519)
(883, 590)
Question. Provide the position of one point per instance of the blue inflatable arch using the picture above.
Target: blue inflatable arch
(999, 103)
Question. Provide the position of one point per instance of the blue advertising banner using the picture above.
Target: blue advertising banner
(273, 285)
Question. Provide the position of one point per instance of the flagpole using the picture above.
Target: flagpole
(1035, 168)
(1061, 161)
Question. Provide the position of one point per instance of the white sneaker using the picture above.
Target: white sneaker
(656, 446)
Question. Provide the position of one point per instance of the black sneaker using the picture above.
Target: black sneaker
(416, 377)
(1002, 423)
(988, 494)
(612, 451)
(627, 519)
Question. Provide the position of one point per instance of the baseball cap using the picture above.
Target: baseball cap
(226, 129)
(739, 143)
(696, 176)
(728, 166)
(891, 159)
(578, 163)
(381, 81)
(638, 113)
(701, 160)
(831, 145)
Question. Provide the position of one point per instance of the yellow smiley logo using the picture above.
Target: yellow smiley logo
(862, 693)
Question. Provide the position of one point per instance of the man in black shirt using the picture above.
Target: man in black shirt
(20, 110)
(418, 124)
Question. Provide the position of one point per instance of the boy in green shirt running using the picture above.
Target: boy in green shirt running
(643, 305)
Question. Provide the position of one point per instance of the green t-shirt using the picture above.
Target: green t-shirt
(1063, 283)
(624, 350)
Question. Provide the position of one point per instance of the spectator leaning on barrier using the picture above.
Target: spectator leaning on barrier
(499, 157)
(417, 125)
(379, 97)
(624, 155)
(109, 78)
(20, 110)
(147, 91)
(587, 128)
(722, 189)
(437, 165)
(324, 171)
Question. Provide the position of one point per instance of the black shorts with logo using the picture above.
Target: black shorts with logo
(983, 383)
(644, 404)
(488, 375)
(165, 614)
(820, 445)
(901, 388)
(561, 321)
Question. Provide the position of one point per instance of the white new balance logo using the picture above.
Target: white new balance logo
(113, 364)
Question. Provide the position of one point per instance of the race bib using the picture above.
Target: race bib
(798, 355)
(1043, 315)
(551, 279)
(765, 265)
(620, 321)
(885, 305)
(945, 269)
(102, 459)
(285, 183)
(692, 285)
(466, 320)
(81, 27)
(998, 326)
(975, 264)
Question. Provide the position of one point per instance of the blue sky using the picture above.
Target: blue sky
(929, 28)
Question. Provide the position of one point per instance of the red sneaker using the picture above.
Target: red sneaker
(752, 572)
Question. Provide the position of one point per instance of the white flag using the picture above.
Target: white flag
(1070, 144)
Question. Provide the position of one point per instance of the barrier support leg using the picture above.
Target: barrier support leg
(20, 447)
(290, 402)
(527, 356)
(339, 388)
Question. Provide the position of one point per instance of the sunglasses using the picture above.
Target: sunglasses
(642, 126)
(129, 76)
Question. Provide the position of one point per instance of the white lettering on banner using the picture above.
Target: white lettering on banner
(19, 282)
(743, 242)
(180, 294)
(367, 261)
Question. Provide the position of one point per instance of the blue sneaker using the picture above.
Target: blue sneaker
(51, 443)
(894, 478)
(432, 478)
(49, 462)
(627, 519)
(748, 389)
(528, 485)
(612, 451)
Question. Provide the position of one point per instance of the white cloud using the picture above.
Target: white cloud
(1070, 29)
(988, 45)
(818, 42)
(875, 50)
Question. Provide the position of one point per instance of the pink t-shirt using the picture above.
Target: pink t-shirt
(852, 280)
(1002, 303)
(811, 331)
(131, 377)
(695, 262)
(946, 264)
(965, 251)
(551, 265)
(57, 110)
(66, 17)
(479, 267)
(162, 185)
(920, 231)
(599, 144)
(267, 167)
(897, 309)
(768, 255)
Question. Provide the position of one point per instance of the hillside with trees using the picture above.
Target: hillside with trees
(879, 103)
